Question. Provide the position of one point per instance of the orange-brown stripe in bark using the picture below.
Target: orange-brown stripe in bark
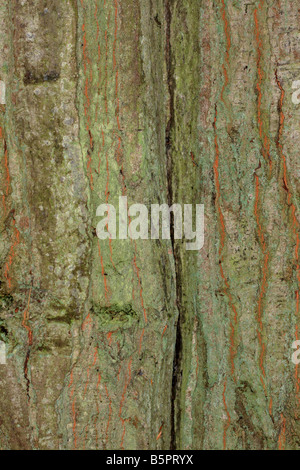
(259, 46)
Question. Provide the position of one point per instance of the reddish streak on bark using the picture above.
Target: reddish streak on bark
(193, 159)
(226, 31)
(264, 280)
(96, 18)
(295, 223)
(271, 407)
(165, 329)
(281, 439)
(87, 321)
(259, 45)
(109, 338)
(159, 433)
(280, 131)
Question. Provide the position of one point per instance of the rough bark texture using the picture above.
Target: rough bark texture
(142, 344)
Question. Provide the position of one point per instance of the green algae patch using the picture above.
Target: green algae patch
(116, 316)
(3, 332)
(5, 301)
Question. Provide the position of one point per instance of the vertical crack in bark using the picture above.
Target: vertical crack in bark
(177, 373)
(176, 378)
(170, 123)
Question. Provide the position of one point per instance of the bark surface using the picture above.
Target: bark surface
(140, 344)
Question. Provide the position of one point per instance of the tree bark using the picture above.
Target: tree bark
(141, 344)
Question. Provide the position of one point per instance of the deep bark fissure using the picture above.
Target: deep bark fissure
(170, 128)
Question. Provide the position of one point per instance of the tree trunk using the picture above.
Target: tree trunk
(141, 344)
